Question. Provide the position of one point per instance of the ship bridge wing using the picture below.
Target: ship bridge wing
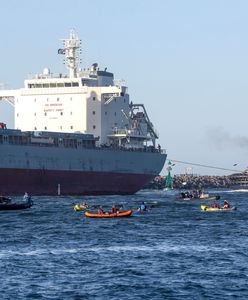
(9, 96)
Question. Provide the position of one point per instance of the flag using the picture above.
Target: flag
(61, 51)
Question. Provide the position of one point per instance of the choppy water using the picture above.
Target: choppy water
(173, 252)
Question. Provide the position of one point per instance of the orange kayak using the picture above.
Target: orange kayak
(109, 215)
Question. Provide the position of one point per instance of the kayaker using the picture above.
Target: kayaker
(226, 204)
(143, 207)
(84, 205)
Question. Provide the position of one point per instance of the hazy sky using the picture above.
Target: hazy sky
(187, 61)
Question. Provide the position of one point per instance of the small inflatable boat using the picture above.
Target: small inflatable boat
(206, 208)
(109, 215)
(15, 206)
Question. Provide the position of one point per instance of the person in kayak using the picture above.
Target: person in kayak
(142, 207)
(226, 204)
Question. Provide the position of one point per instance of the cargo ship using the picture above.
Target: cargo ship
(77, 134)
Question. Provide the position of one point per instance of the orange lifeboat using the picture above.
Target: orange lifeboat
(109, 215)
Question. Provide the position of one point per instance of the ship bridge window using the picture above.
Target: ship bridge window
(45, 85)
(67, 84)
(37, 85)
(52, 85)
(75, 84)
(60, 84)
(31, 86)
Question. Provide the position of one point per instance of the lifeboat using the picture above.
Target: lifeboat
(16, 206)
(109, 215)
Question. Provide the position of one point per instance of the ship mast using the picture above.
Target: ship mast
(71, 51)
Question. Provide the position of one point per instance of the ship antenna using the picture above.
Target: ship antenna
(71, 51)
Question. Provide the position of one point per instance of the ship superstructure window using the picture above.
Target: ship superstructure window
(75, 84)
(71, 127)
(61, 113)
(52, 85)
(94, 126)
(45, 85)
(94, 98)
(93, 112)
(71, 112)
(45, 114)
(61, 127)
(60, 84)
(106, 113)
(35, 128)
(57, 99)
(34, 114)
(45, 128)
(67, 84)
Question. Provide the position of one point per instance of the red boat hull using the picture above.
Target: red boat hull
(47, 182)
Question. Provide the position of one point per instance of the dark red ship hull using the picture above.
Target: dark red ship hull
(47, 182)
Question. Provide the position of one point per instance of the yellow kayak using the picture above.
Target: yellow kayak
(206, 208)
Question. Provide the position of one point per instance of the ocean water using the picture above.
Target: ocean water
(174, 251)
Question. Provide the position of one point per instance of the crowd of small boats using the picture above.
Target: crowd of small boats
(96, 211)
(202, 196)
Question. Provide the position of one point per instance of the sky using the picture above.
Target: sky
(187, 61)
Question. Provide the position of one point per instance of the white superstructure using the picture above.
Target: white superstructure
(86, 101)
